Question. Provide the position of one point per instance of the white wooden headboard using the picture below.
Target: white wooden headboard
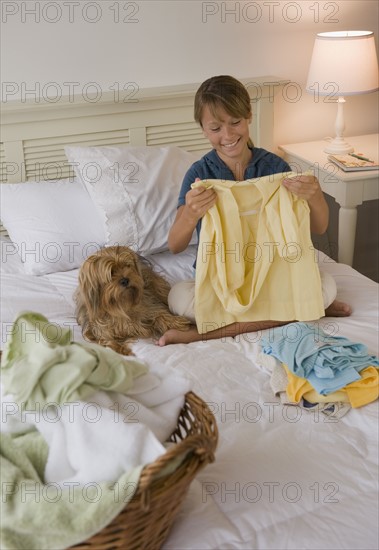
(34, 134)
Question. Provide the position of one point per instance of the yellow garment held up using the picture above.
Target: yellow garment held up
(255, 257)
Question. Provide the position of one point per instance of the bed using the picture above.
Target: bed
(284, 477)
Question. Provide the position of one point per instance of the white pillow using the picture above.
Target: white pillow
(54, 225)
(136, 190)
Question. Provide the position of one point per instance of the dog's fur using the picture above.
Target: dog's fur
(120, 299)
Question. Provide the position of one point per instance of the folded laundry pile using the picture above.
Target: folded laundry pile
(78, 424)
(308, 366)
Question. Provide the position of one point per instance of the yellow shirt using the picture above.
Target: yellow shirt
(255, 257)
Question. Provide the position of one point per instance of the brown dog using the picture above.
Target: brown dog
(120, 299)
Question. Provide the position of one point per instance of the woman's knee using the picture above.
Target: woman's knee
(329, 288)
(181, 299)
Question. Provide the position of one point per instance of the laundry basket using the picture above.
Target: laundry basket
(146, 520)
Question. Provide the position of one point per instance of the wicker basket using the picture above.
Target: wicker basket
(146, 520)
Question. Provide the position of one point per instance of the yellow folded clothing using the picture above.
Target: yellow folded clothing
(357, 393)
(255, 258)
(366, 389)
(299, 388)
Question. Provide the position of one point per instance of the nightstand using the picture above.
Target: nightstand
(349, 189)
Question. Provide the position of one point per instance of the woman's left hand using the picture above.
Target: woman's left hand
(309, 189)
(304, 187)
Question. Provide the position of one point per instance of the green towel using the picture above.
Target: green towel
(41, 365)
(35, 516)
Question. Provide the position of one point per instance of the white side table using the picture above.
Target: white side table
(349, 189)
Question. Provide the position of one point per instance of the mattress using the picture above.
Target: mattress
(284, 477)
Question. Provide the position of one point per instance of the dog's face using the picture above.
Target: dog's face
(111, 280)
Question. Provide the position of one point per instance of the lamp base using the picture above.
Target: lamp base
(338, 146)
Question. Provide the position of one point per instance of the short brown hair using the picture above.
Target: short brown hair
(224, 92)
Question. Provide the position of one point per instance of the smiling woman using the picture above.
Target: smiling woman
(223, 110)
(229, 136)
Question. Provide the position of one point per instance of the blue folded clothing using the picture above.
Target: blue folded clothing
(329, 363)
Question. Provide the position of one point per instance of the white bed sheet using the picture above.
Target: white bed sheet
(283, 477)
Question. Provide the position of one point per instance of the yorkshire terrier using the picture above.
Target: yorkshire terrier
(120, 299)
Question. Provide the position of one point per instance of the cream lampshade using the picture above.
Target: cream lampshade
(343, 63)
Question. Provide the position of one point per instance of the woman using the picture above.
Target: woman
(223, 110)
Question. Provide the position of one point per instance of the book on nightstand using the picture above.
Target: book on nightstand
(353, 162)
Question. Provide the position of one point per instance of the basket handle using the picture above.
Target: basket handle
(198, 426)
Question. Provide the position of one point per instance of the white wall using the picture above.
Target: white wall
(51, 48)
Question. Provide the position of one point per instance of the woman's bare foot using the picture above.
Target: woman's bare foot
(338, 309)
(174, 336)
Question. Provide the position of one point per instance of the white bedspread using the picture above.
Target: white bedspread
(284, 478)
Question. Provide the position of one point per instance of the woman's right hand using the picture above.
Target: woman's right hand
(199, 201)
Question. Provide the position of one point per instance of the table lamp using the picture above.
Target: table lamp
(343, 63)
